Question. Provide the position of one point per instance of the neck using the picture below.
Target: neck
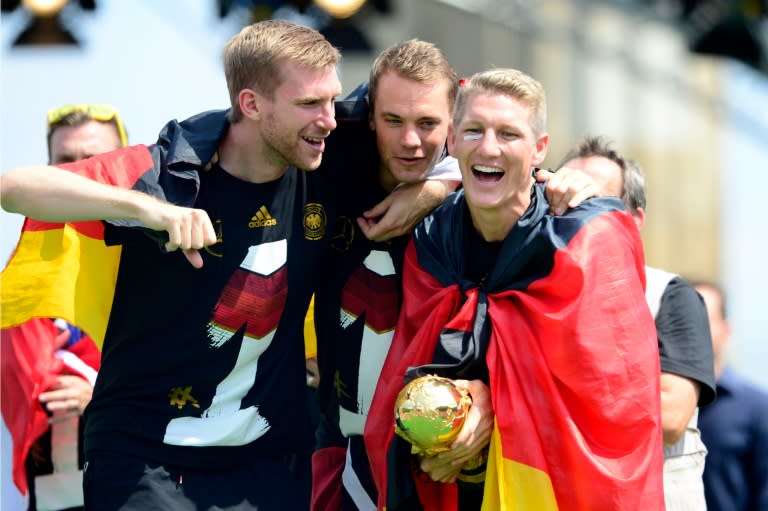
(242, 154)
(494, 224)
(386, 179)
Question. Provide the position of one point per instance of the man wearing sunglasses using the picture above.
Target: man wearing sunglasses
(54, 462)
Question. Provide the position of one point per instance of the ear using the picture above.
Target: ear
(639, 216)
(540, 151)
(249, 101)
(451, 139)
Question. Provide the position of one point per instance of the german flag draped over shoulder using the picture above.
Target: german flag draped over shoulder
(572, 359)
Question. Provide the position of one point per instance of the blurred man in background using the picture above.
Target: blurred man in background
(735, 426)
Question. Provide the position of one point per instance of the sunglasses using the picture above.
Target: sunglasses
(102, 113)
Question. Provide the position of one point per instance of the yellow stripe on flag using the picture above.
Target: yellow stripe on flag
(60, 273)
(510, 485)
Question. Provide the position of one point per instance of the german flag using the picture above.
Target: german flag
(64, 270)
(571, 354)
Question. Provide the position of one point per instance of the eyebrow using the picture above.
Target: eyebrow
(70, 157)
(307, 99)
(422, 118)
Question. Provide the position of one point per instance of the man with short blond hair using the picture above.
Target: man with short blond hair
(254, 59)
(407, 104)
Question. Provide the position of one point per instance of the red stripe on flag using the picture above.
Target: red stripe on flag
(93, 229)
(123, 167)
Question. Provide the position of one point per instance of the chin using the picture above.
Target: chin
(411, 176)
(479, 202)
(310, 165)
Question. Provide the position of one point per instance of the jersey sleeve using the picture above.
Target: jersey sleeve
(685, 342)
(446, 169)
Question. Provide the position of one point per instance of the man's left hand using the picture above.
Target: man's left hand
(474, 436)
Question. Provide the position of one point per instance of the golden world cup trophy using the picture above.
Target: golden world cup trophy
(429, 413)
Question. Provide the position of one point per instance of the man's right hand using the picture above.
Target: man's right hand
(188, 229)
(567, 188)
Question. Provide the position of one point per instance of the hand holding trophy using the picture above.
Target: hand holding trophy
(429, 413)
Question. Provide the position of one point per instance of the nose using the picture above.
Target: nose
(489, 146)
(410, 137)
(327, 117)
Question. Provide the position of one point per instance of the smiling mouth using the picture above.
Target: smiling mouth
(317, 143)
(314, 140)
(487, 174)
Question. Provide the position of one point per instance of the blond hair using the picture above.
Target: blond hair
(509, 82)
(252, 57)
(415, 60)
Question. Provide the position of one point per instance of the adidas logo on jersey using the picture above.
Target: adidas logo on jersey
(262, 218)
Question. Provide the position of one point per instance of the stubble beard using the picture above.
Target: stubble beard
(280, 153)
